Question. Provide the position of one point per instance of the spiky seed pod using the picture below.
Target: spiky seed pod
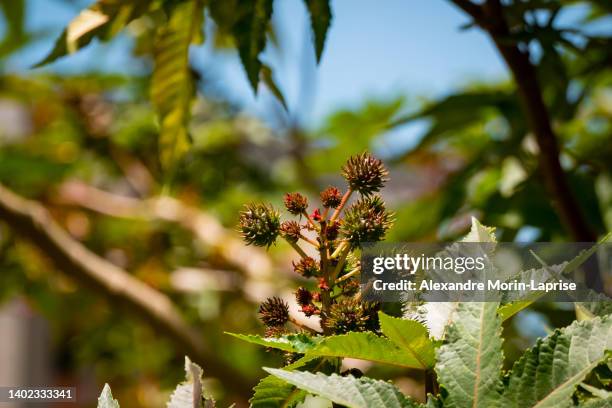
(355, 372)
(365, 173)
(323, 285)
(347, 316)
(310, 310)
(303, 296)
(371, 311)
(259, 224)
(331, 231)
(350, 287)
(331, 197)
(274, 312)
(367, 220)
(307, 267)
(296, 203)
(291, 231)
(275, 331)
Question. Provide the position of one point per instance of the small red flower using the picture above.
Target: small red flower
(316, 215)
(323, 284)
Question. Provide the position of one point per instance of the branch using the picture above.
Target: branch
(32, 221)
(491, 18)
(205, 227)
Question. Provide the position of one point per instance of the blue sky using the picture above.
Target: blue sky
(374, 49)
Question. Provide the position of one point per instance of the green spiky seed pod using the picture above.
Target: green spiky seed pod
(303, 296)
(259, 224)
(307, 267)
(365, 173)
(331, 197)
(291, 231)
(274, 312)
(347, 316)
(367, 220)
(350, 287)
(296, 203)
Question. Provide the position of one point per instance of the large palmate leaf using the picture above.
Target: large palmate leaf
(295, 343)
(359, 345)
(348, 391)
(172, 85)
(191, 393)
(470, 361)
(410, 336)
(320, 20)
(438, 315)
(366, 346)
(598, 304)
(106, 400)
(272, 392)
(546, 375)
(250, 31)
(102, 20)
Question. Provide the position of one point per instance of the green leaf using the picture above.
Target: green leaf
(102, 20)
(320, 20)
(295, 343)
(191, 393)
(172, 85)
(366, 346)
(272, 392)
(546, 375)
(596, 307)
(250, 34)
(105, 400)
(348, 391)
(597, 403)
(438, 315)
(359, 345)
(470, 361)
(410, 336)
(268, 79)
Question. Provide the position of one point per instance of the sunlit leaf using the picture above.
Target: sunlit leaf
(172, 85)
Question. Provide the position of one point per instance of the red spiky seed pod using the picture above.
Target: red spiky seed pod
(291, 231)
(331, 197)
(303, 296)
(310, 310)
(296, 203)
(307, 267)
(365, 173)
(274, 312)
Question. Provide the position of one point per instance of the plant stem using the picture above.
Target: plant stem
(349, 275)
(345, 198)
(310, 241)
(302, 326)
(298, 249)
(310, 221)
(340, 264)
(339, 250)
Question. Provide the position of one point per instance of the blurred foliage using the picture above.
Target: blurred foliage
(476, 157)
